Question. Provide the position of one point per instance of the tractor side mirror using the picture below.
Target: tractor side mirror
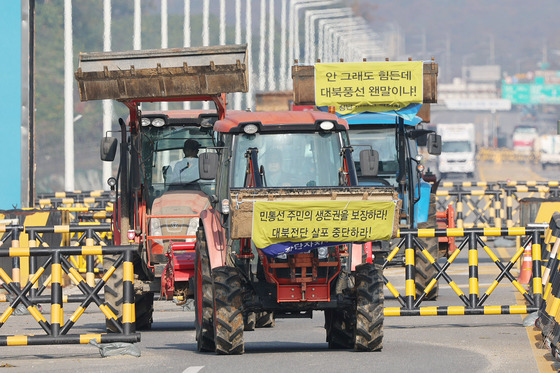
(208, 165)
(108, 149)
(369, 162)
(434, 144)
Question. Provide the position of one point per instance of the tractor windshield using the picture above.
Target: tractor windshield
(290, 159)
(170, 158)
(381, 139)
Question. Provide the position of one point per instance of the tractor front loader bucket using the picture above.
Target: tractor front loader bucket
(162, 74)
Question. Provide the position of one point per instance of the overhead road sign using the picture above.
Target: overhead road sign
(531, 94)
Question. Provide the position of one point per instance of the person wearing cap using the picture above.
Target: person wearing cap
(186, 170)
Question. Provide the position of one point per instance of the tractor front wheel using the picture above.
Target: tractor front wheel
(204, 298)
(369, 308)
(228, 316)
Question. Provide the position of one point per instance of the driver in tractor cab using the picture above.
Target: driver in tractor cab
(274, 174)
(186, 170)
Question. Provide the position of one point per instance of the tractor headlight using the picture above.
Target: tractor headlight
(146, 122)
(158, 122)
(326, 125)
(225, 206)
(191, 230)
(155, 229)
(323, 252)
(250, 128)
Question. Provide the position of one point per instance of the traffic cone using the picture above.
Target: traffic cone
(526, 266)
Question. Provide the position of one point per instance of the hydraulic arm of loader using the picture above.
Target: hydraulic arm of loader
(177, 74)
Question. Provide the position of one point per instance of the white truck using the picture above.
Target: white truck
(549, 150)
(458, 153)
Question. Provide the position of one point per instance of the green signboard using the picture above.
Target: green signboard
(531, 94)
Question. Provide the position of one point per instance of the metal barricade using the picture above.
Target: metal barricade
(56, 331)
(473, 303)
(493, 204)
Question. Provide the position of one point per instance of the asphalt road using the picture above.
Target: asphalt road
(494, 343)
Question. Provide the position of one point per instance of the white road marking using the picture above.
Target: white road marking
(193, 369)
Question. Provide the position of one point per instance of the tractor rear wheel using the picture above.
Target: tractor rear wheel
(143, 303)
(425, 271)
(369, 308)
(340, 324)
(204, 298)
(228, 317)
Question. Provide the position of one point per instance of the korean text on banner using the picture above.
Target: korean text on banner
(329, 221)
(368, 86)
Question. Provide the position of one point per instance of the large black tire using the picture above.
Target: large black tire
(265, 320)
(369, 308)
(228, 317)
(425, 271)
(340, 325)
(143, 303)
(204, 297)
(249, 321)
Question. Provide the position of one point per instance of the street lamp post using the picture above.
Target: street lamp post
(333, 29)
(310, 17)
(321, 54)
(107, 104)
(293, 27)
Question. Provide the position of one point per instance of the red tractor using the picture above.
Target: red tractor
(160, 194)
(288, 162)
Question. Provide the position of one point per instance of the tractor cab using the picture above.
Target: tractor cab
(171, 142)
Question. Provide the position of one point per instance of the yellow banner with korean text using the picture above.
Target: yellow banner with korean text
(329, 221)
(368, 86)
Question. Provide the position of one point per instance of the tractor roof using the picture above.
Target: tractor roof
(183, 117)
(278, 121)
(379, 118)
(179, 113)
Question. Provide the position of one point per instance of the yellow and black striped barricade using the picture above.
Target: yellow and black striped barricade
(549, 313)
(78, 194)
(90, 265)
(553, 185)
(484, 206)
(57, 329)
(95, 215)
(473, 303)
(84, 264)
(76, 199)
(458, 185)
(511, 195)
